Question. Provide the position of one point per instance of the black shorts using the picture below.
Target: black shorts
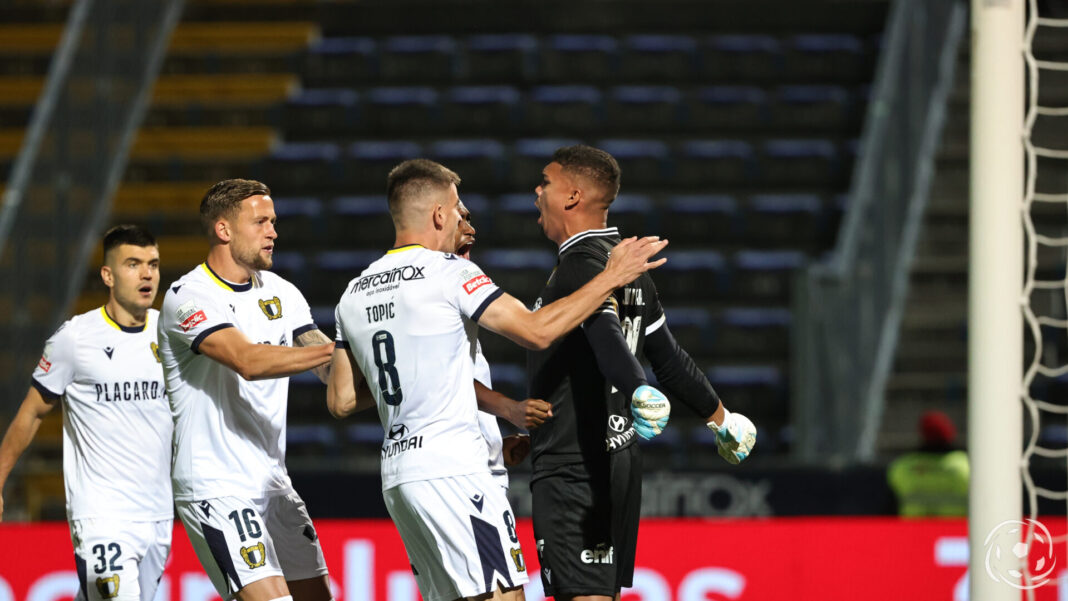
(586, 525)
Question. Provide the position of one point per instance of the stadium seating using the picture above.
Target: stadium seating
(499, 57)
(735, 145)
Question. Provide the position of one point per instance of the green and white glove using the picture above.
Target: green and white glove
(735, 437)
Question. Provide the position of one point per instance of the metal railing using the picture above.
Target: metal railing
(72, 158)
(848, 308)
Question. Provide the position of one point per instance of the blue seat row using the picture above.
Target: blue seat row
(492, 165)
(575, 94)
(542, 149)
(651, 43)
(401, 109)
(563, 56)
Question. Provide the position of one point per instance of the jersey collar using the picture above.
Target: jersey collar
(608, 231)
(400, 249)
(128, 329)
(223, 283)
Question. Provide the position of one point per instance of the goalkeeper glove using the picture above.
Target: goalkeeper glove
(735, 437)
(650, 409)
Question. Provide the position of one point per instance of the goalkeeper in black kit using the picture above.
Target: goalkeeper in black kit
(586, 484)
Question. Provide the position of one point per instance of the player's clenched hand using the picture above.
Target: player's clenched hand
(515, 448)
(531, 413)
(630, 259)
(650, 409)
(735, 437)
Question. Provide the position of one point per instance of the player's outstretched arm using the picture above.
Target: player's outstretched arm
(346, 390)
(20, 433)
(262, 361)
(528, 414)
(312, 338)
(678, 374)
(539, 329)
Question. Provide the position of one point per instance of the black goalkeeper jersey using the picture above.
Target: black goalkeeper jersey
(590, 418)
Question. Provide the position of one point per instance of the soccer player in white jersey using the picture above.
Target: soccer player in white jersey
(401, 328)
(531, 413)
(231, 334)
(103, 367)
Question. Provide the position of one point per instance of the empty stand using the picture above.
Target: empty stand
(736, 145)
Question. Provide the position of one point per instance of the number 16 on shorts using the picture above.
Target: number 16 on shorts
(230, 540)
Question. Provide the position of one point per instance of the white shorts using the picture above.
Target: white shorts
(240, 541)
(119, 559)
(460, 535)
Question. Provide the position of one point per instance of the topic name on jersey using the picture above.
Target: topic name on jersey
(396, 448)
(475, 283)
(397, 274)
(142, 390)
(380, 312)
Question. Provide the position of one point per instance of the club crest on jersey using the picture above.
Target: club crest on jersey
(255, 556)
(108, 587)
(272, 308)
(155, 351)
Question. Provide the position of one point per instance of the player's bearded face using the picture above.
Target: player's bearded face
(253, 234)
(135, 275)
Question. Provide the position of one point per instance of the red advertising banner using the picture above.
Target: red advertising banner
(678, 560)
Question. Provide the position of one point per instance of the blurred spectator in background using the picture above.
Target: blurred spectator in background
(932, 481)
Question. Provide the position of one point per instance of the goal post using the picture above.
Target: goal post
(995, 323)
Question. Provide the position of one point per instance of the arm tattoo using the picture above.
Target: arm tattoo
(312, 338)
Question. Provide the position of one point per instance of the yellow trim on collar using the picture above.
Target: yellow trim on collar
(401, 249)
(215, 278)
(108, 319)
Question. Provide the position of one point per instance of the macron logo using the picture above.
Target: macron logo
(475, 283)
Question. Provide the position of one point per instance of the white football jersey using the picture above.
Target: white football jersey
(403, 319)
(116, 421)
(488, 422)
(229, 433)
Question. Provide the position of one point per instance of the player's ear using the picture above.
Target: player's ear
(107, 276)
(438, 215)
(222, 230)
(574, 199)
